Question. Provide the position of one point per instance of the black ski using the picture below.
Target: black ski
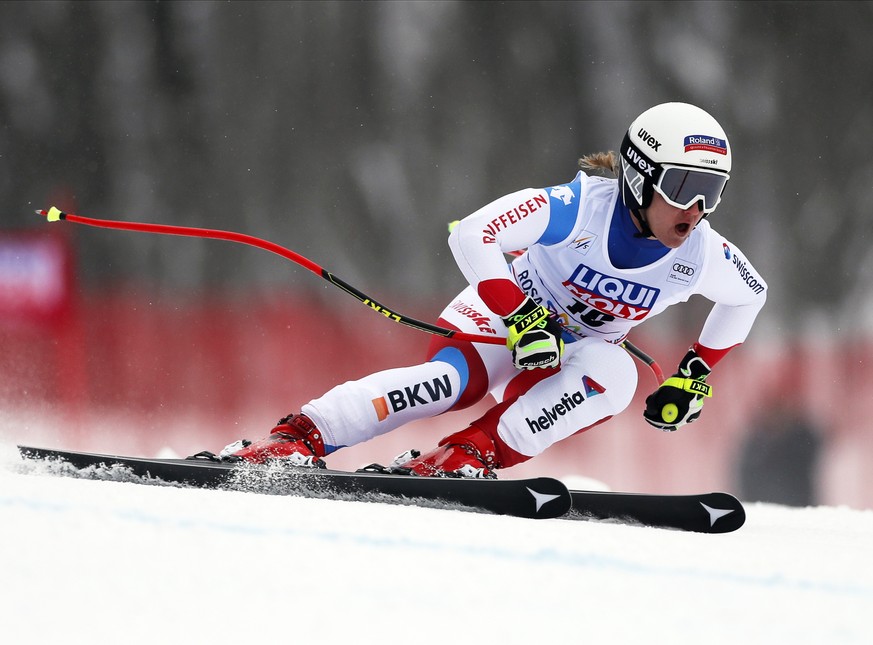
(704, 513)
(537, 498)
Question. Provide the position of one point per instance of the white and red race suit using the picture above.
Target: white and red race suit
(582, 262)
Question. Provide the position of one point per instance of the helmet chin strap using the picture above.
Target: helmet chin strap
(644, 231)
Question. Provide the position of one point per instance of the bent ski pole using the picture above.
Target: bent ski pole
(54, 214)
(641, 356)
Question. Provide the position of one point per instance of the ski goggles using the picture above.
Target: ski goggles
(682, 187)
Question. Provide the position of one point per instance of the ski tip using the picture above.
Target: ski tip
(726, 513)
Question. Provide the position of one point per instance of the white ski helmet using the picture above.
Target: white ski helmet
(678, 150)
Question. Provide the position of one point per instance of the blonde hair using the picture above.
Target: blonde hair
(600, 162)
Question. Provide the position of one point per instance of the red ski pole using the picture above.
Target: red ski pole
(54, 214)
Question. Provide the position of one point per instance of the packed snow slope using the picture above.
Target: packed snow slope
(91, 561)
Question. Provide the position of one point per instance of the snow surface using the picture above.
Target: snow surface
(104, 562)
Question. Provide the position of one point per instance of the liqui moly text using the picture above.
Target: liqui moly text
(614, 296)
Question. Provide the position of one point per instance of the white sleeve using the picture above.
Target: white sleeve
(737, 290)
(510, 223)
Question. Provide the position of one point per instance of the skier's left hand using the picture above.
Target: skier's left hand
(680, 398)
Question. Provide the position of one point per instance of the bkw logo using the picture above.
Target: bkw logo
(411, 396)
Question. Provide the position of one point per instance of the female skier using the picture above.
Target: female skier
(602, 255)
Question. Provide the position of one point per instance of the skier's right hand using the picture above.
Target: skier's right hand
(534, 336)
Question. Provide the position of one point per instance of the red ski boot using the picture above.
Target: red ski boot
(295, 440)
(469, 453)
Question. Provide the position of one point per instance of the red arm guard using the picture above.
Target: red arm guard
(500, 295)
(711, 356)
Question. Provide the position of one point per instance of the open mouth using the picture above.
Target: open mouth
(683, 228)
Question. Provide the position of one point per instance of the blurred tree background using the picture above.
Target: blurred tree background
(352, 132)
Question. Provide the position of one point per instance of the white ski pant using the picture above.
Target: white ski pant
(596, 380)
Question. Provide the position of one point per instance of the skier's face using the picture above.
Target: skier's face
(671, 225)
